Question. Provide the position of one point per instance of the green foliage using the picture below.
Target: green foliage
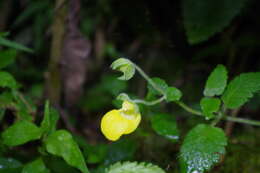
(216, 82)
(10, 165)
(125, 66)
(7, 57)
(202, 147)
(35, 166)
(203, 18)
(51, 116)
(123, 149)
(7, 80)
(161, 84)
(209, 106)
(20, 133)
(14, 45)
(165, 125)
(61, 143)
(173, 94)
(133, 167)
(96, 153)
(240, 89)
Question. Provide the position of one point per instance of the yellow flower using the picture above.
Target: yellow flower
(122, 121)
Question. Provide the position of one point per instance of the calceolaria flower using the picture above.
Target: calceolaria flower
(122, 121)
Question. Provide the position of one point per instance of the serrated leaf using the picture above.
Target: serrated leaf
(7, 57)
(11, 44)
(126, 66)
(35, 166)
(161, 84)
(61, 143)
(9, 165)
(165, 125)
(203, 18)
(216, 82)
(209, 106)
(20, 133)
(51, 116)
(7, 80)
(134, 167)
(173, 94)
(240, 89)
(203, 147)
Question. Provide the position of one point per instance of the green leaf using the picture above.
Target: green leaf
(240, 89)
(202, 148)
(61, 143)
(165, 125)
(17, 46)
(209, 106)
(216, 82)
(134, 167)
(7, 80)
(204, 18)
(6, 99)
(124, 149)
(173, 94)
(9, 165)
(126, 66)
(20, 133)
(51, 116)
(7, 57)
(161, 84)
(36, 166)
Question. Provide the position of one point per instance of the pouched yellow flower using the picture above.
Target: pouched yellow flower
(122, 121)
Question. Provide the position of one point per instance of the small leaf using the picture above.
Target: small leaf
(61, 143)
(209, 106)
(165, 125)
(11, 44)
(161, 84)
(133, 167)
(126, 66)
(173, 94)
(240, 89)
(202, 148)
(20, 133)
(7, 57)
(7, 80)
(216, 82)
(35, 166)
(204, 18)
(51, 116)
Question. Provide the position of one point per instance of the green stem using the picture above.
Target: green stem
(186, 107)
(149, 103)
(242, 120)
(148, 79)
(217, 119)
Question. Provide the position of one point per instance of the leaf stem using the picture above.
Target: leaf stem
(150, 103)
